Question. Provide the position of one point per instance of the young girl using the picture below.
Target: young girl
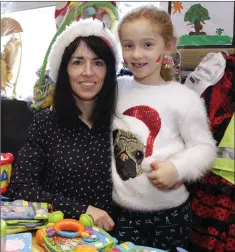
(160, 137)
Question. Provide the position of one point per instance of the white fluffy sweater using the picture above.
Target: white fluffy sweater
(179, 132)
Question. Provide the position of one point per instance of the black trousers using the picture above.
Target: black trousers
(166, 229)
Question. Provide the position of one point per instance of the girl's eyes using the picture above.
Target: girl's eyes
(147, 44)
(128, 46)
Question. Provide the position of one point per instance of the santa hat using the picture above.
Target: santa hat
(208, 73)
(144, 122)
(82, 28)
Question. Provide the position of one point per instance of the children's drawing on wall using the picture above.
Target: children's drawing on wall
(176, 7)
(203, 23)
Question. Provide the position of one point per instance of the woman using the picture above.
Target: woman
(66, 159)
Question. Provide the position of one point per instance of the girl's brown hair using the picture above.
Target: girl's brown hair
(156, 17)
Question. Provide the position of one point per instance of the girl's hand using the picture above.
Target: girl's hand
(164, 175)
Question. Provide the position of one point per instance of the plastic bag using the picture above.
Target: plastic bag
(11, 53)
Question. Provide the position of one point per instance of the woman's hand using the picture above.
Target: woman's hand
(101, 218)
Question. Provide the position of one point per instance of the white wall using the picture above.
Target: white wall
(20, 6)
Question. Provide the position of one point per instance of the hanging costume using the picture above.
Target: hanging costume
(213, 200)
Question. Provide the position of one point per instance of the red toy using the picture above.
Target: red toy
(6, 167)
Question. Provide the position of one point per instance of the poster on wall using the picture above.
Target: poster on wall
(203, 23)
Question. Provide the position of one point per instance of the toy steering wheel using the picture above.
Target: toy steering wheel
(69, 228)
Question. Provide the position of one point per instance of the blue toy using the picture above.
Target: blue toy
(130, 247)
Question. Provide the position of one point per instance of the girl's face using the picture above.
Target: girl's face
(143, 48)
(86, 73)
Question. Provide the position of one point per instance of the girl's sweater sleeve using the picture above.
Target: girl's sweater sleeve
(200, 152)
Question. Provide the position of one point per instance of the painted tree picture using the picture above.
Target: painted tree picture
(203, 23)
(196, 16)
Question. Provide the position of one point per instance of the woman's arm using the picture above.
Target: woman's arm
(29, 170)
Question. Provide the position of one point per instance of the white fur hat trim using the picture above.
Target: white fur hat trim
(82, 28)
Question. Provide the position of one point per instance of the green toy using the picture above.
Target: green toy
(3, 235)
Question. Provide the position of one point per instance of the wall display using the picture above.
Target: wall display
(203, 23)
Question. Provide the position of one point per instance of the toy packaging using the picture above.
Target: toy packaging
(22, 216)
(17, 212)
(6, 166)
(18, 242)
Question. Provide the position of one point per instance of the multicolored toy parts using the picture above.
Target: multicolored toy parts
(23, 216)
(82, 236)
(6, 166)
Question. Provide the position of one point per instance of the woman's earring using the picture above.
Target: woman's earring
(167, 61)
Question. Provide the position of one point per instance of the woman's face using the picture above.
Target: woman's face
(86, 73)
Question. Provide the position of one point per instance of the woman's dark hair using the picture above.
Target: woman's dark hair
(104, 108)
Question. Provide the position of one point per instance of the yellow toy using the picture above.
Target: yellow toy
(6, 166)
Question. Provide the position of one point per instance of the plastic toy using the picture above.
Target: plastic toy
(3, 234)
(130, 247)
(69, 234)
(69, 224)
(6, 166)
(85, 248)
(105, 11)
(24, 211)
(81, 236)
(43, 93)
(22, 216)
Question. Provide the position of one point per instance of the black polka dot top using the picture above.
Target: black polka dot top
(67, 167)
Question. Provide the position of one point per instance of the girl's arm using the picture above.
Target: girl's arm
(200, 152)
